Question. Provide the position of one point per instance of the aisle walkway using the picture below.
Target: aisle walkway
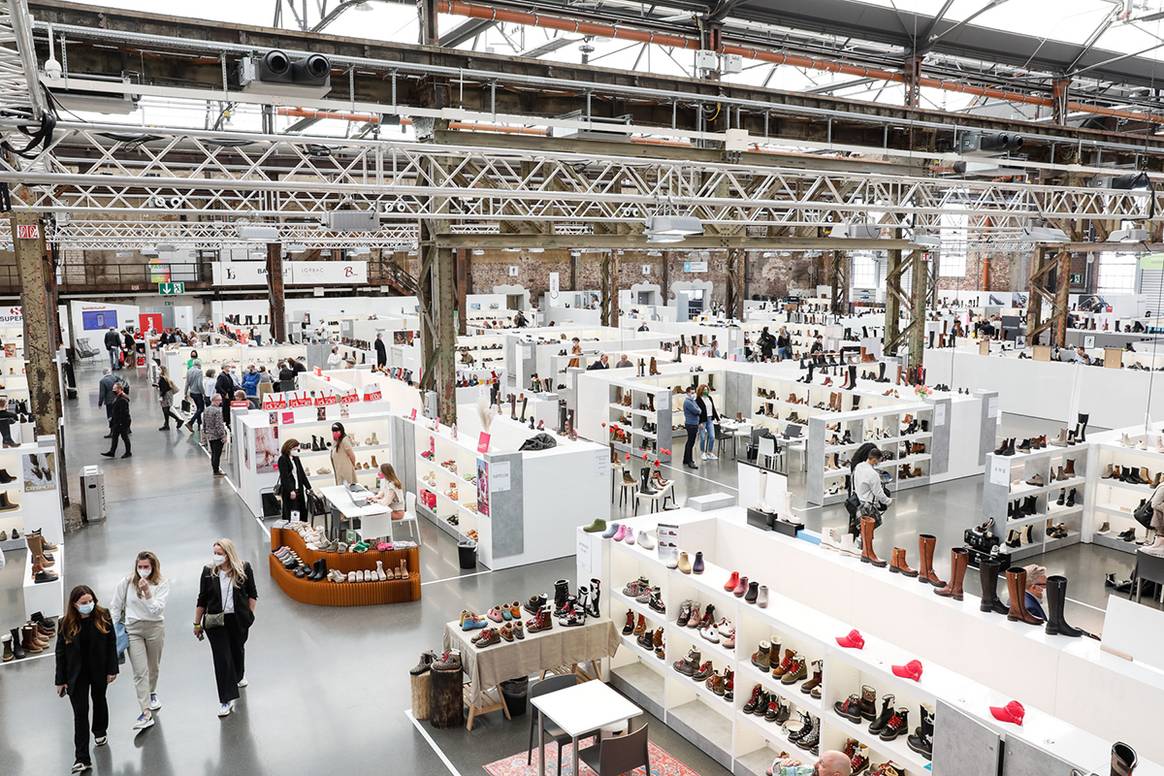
(328, 687)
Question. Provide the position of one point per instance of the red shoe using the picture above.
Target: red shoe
(733, 580)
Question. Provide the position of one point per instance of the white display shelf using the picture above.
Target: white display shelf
(889, 441)
(811, 632)
(716, 653)
(1022, 489)
(46, 597)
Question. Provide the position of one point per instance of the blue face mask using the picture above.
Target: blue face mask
(86, 608)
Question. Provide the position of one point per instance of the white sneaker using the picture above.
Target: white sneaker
(242, 682)
(712, 457)
(224, 709)
(144, 721)
(703, 456)
(100, 740)
(155, 704)
(79, 767)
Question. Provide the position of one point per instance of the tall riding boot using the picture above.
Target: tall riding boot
(867, 555)
(926, 544)
(1016, 585)
(852, 375)
(808, 377)
(988, 571)
(959, 560)
(881, 372)
(524, 402)
(1123, 759)
(1056, 601)
(845, 381)
(654, 367)
(561, 593)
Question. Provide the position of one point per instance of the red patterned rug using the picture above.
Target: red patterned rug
(662, 764)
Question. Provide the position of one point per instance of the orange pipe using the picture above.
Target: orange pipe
(475, 11)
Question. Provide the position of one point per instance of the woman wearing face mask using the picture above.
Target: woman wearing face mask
(225, 613)
(343, 455)
(86, 664)
(293, 482)
(140, 603)
(391, 492)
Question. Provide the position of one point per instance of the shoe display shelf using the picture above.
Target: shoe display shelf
(632, 400)
(527, 502)
(887, 426)
(31, 502)
(746, 743)
(327, 593)
(1008, 498)
(777, 403)
(257, 444)
(450, 466)
(680, 376)
(1114, 491)
(484, 351)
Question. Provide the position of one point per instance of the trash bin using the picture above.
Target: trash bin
(467, 552)
(92, 495)
(515, 692)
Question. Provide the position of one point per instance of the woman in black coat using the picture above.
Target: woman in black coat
(86, 665)
(293, 482)
(226, 588)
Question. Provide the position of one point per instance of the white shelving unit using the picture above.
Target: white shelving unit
(1112, 500)
(809, 619)
(1007, 483)
(635, 427)
(446, 467)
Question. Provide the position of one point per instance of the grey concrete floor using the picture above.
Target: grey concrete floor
(333, 679)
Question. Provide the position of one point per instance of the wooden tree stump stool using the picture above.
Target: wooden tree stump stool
(421, 694)
(446, 699)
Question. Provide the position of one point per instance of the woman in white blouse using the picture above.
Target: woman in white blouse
(390, 492)
(140, 604)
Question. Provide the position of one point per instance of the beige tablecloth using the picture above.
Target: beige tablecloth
(560, 646)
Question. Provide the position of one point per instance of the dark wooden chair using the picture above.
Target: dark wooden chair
(619, 754)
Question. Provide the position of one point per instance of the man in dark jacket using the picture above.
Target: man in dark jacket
(381, 352)
(224, 387)
(113, 345)
(119, 421)
(286, 377)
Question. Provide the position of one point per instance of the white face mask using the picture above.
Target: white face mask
(143, 573)
(217, 559)
(295, 453)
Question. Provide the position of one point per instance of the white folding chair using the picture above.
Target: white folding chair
(767, 449)
(409, 518)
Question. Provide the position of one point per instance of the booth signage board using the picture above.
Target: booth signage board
(482, 441)
(12, 316)
(94, 320)
(295, 273)
(694, 266)
(555, 284)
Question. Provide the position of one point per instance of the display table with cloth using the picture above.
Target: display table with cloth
(560, 650)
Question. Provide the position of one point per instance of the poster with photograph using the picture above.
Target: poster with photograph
(39, 472)
(483, 487)
(667, 542)
(267, 449)
(321, 414)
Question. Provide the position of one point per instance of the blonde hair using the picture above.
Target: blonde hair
(155, 577)
(234, 566)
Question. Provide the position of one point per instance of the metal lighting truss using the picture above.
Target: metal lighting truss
(114, 234)
(91, 169)
(19, 83)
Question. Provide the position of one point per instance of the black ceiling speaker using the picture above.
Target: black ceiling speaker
(312, 70)
(275, 66)
(1001, 142)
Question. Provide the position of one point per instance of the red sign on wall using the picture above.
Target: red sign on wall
(28, 231)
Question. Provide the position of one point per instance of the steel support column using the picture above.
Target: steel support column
(463, 284)
(429, 34)
(1059, 100)
(839, 277)
(897, 298)
(36, 282)
(1050, 283)
(610, 273)
(438, 321)
(736, 268)
(911, 70)
(893, 297)
(276, 296)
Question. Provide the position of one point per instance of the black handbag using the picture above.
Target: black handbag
(185, 405)
(1143, 514)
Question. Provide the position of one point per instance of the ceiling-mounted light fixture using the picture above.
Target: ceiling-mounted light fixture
(1130, 233)
(672, 229)
(849, 231)
(927, 239)
(1043, 234)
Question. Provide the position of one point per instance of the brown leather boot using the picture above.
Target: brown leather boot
(29, 641)
(774, 654)
(1016, 584)
(959, 560)
(926, 544)
(36, 549)
(898, 564)
(867, 554)
(1069, 469)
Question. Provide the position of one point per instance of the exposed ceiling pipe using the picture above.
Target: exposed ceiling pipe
(616, 32)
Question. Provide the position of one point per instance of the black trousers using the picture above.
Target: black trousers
(85, 688)
(228, 649)
(199, 405)
(692, 433)
(123, 435)
(297, 504)
(215, 454)
(168, 413)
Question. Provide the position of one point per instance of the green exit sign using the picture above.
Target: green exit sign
(172, 289)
